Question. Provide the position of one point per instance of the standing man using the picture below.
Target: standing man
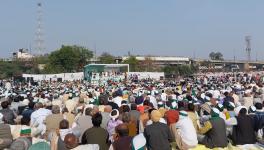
(96, 134)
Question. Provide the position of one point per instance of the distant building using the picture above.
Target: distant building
(228, 65)
(22, 54)
(162, 60)
(41, 66)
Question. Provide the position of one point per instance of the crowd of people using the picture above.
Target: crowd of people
(214, 111)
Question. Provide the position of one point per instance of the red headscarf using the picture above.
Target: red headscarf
(172, 116)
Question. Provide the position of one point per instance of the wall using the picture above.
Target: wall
(145, 75)
(80, 76)
(54, 77)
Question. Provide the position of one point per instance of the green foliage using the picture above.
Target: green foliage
(205, 63)
(181, 70)
(84, 56)
(68, 59)
(148, 65)
(15, 68)
(194, 68)
(107, 58)
(216, 56)
(133, 63)
(42, 59)
(169, 69)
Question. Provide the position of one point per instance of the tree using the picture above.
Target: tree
(107, 58)
(42, 59)
(148, 65)
(169, 69)
(212, 55)
(84, 56)
(216, 56)
(14, 68)
(133, 63)
(68, 59)
(181, 70)
(219, 56)
(205, 63)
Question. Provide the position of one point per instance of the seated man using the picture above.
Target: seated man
(243, 132)
(259, 121)
(53, 120)
(8, 114)
(185, 133)
(214, 130)
(38, 116)
(5, 134)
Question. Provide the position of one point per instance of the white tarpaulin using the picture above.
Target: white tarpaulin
(55, 77)
(80, 76)
(146, 75)
(73, 76)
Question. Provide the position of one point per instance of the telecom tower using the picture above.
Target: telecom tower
(39, 31)
(248, 47)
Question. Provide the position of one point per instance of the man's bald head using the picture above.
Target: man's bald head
(71, 141)
(38, 105)
(95, 110)
(108, 108)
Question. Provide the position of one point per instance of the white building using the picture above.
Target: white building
(22, 54)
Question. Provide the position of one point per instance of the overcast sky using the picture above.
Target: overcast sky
(156, 27)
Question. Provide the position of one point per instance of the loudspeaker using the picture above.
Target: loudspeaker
(30, 79)
(59, 79)
(19, 79)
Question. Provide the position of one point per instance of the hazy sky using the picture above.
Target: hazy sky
(156, 27)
